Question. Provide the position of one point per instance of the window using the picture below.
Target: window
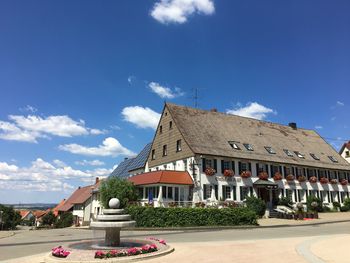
(165, 151)
(209, 163)
(160, 129)
(170, 125)
(153, 154)
(170, 192)
(333, 159)
(248, 146)
(185, 164)
(347, 154)
(332, 175)
(299, 154)
(245, 191)
(226, 192)
(207, 189)
(315, 156)
(261, 167)
(234, 145)
(270, 150)
(164, 191)
(226, 165)
(288, 152)
(178, 146)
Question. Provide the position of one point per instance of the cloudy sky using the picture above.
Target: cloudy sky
(83, 82)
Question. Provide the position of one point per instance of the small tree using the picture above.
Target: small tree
(311, 208)
(65, 220)
(257, 205)
(117, 187)
(49, 219)
(10, 218)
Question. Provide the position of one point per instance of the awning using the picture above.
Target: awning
(265, 183)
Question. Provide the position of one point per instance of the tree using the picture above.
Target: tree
(257, 205)
(117, 187)
(65, 220)
(10, 218)
(49, 219)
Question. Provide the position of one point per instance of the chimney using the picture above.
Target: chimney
(293, 125)
(214, 110)
(97, 180)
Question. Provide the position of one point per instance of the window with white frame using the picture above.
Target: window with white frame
(226, 192)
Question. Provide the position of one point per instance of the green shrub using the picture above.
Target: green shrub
(326, 209)
(65, 220)
(286, 201)
(186, 217)
(10, 218)
(117, 187)
(336, 204)
(257, 205)
(49, 219)
(312, 199)
(344, 208)
(347, 202)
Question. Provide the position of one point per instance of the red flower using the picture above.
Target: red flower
(290, 177)
(334, 181)
(313, 179)
(246, 174)
(277, 176)
(324, 180)
(301, 178)
(228, 173)
(210, 171)
(263, 176)
(344, 182)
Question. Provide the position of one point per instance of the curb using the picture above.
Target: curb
(10, 235)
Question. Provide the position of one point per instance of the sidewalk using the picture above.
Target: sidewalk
(4, 234)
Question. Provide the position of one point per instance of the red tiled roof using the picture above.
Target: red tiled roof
(162, 177)
(57, 207)
(24, 213)
(78, 197)
(39, 213)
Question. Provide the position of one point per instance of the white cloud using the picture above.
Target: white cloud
(30, 128)
(339, 103)
(252, 110)
(178, 11)
(109, 147)
(318, 127)
(141, 117)
(92, 163)
(28, 108)
(131, 79)
(165, 92)
(45, 177)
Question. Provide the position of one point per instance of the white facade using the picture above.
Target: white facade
(346, 154)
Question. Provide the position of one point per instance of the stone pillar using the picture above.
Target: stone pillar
(112, 238)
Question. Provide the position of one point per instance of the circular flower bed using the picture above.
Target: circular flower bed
(301, 178)
(228, 173)
(246, 174)
(60, 252)
(290, 177)
(344, 182)
(313, 179)
(263, 176)
(324, 180)
(210, 171)
(277, 176)
(126, 252)
(333, 181)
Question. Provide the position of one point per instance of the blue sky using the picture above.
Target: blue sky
(82, 83)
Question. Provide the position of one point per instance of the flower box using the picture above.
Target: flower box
(324, 180)
(277, 176)
(333, 181)
(344, 182)
(210, 171)
(263, 176)
(246, 174)
(301, 178)
(290, 177)
(228, 173)
(313, 179)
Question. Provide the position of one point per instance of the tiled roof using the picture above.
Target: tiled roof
(208, 133)
(345, 145)
(39, 213)
(58, 206)
(78, 197)
(162, 177)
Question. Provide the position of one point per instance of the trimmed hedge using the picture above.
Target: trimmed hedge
(186, 217)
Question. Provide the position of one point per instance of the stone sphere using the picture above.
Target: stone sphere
(114, 203)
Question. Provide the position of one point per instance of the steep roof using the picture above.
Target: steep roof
(122, 169)
(78, 197)
(163, 176)
(208, 132)
(345, 145)
(58, 206)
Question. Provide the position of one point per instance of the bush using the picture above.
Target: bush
(257, 205)
(186, 217)
(347, 202)
(49, 219)
(326, 209)
(336, 204)
(65, 220)
(286, 201)
(10, 218)
(344, 208)
(117, 187)
(312, 199)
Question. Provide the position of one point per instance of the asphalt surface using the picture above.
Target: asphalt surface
(25, 243)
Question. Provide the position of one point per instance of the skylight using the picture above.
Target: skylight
(288, 152)
(270, 150)
(248, 146)
(315, 156)
(299, 154)
(234, 145)
(333, 159)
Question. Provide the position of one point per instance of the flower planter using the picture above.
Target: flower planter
(229, 173)
(301, 178)
(313, 179)
(324, 180)
(344, 182)
(263, 176)
(277, 176)
(290, 177)
(210, 171)
(334, 181)
(246, 174)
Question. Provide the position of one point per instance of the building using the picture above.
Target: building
(345, 151)
(230, 157)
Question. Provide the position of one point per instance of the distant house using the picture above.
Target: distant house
(39, 214)
(26, 215)
(56, 209)
(345, 151)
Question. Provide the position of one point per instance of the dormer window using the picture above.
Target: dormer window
(170, 125)
(288, 152)
(333, 159)
(165, 150)
(234, 145)
(153, 154)
(299, 154)
(160, 129)
(315, 156)
(248, 146)
(270, 150)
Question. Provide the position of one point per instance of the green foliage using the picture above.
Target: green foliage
(65, 220)
(10, 218)
(257, 205)
(286, 201)
(311, 199)
(117, 187)
(336, 204)
(186, 217)
(344, 208)
(49, 219)
(326, 209)
(347, 202)
(29, 222)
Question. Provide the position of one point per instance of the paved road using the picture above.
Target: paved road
(25, 243)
